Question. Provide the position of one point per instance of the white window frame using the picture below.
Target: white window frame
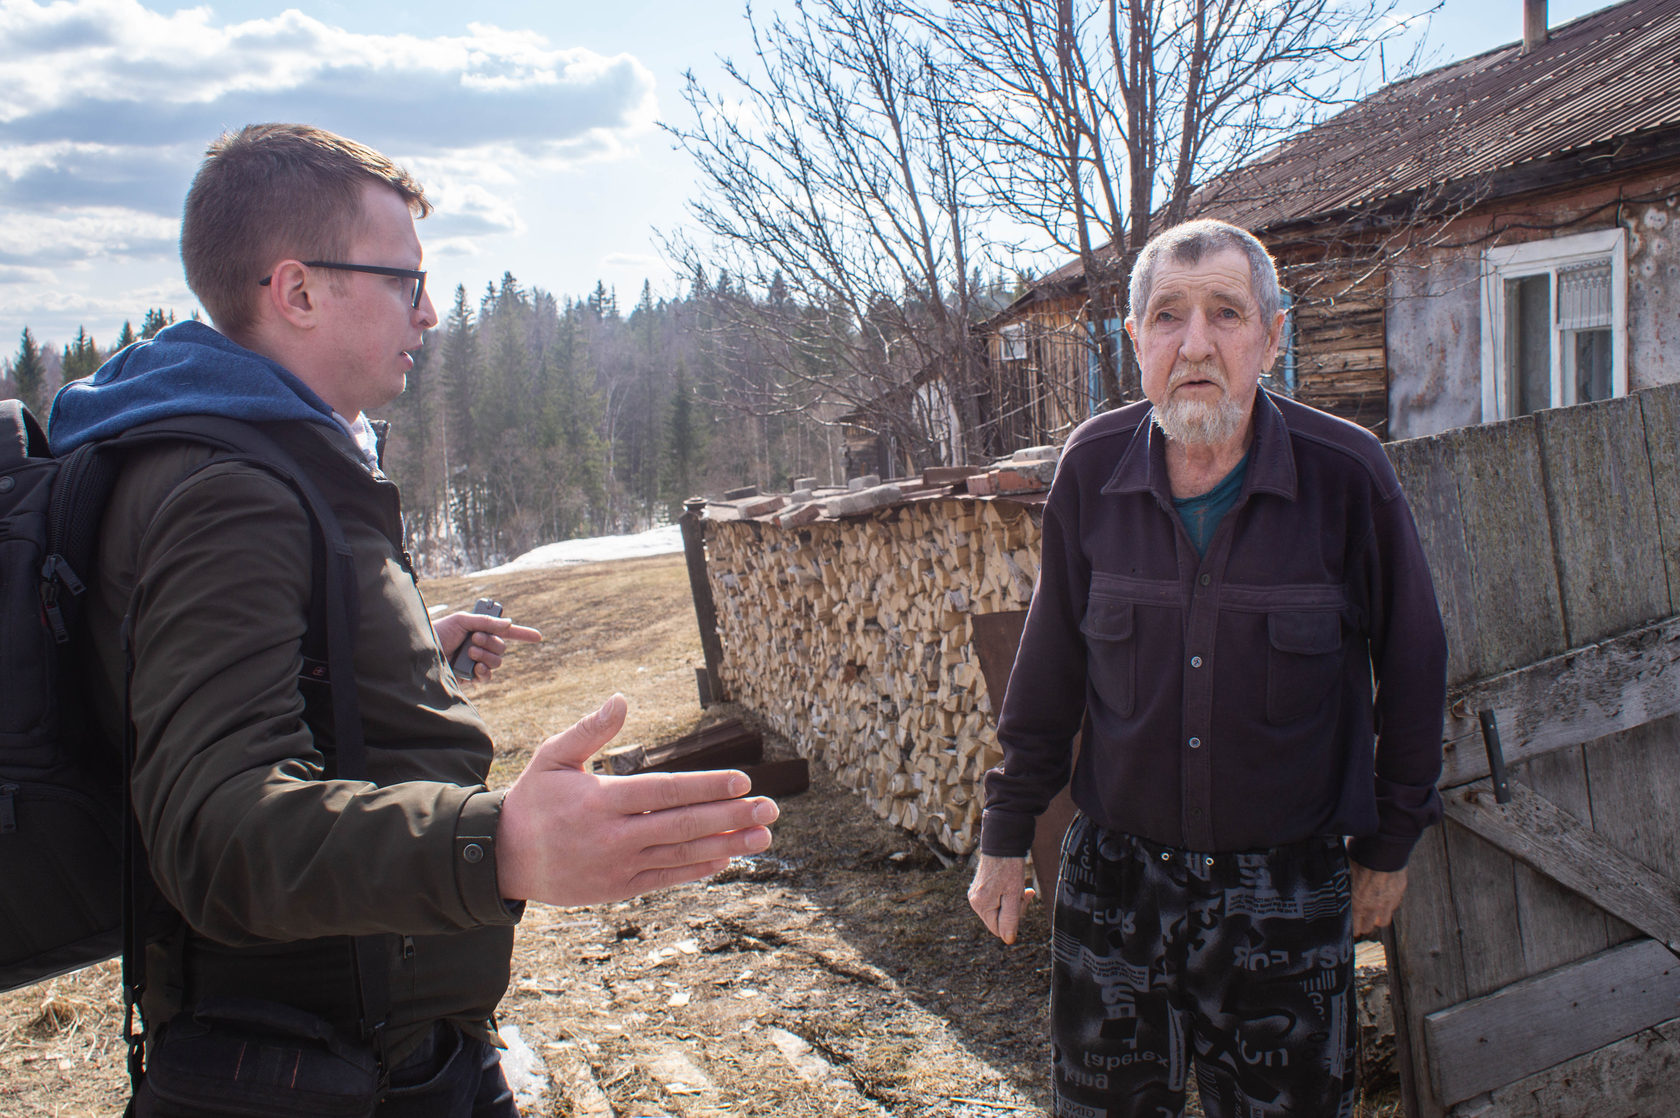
(1013, 341)
(1545, 258)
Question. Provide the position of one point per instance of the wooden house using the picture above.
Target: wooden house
(1481, 241)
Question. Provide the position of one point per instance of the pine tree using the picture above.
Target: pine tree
(29, 374)
(685, 433)
(127, 337)
(156, 319)
(81, 357)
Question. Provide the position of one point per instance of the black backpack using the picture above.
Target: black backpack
(70, 860)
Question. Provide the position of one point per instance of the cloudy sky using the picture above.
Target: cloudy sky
(532, 124)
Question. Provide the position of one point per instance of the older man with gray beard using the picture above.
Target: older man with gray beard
(1234, 607)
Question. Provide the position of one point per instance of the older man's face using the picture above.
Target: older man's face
(1202, 346)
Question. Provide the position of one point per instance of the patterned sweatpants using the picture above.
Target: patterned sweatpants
(1240, 963)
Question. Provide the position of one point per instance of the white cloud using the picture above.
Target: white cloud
(88, 233)
(106, 107)
(108, 71)
(98, 97)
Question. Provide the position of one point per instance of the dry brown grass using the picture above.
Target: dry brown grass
(848, 938)
(626, 626)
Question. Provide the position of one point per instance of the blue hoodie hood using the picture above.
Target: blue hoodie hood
(186, 369)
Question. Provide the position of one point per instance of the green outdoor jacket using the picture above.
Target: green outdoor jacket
(269, 864)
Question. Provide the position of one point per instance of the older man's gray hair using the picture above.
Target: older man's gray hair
(1188, 243)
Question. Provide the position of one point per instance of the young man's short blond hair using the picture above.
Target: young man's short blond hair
(270, 192)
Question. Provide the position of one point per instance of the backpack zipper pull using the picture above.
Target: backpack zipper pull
(55, 572)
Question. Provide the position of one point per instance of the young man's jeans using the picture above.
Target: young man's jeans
(450, 1075)
(1239, 964)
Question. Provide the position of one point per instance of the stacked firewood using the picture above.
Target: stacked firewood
(853, 638)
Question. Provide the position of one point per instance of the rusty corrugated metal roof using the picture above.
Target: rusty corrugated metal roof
(1611, 75)
(1607, 76)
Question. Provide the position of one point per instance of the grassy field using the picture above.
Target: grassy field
(841, 973)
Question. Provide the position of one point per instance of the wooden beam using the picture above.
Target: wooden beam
(1537, 832)
(1564, 700)
(705, 610)
(1529, 1026)
(1635, 1075)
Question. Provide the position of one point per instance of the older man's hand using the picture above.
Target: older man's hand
(1376, 895)
(996, 894)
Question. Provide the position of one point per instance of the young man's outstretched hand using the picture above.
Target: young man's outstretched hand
(569, 836)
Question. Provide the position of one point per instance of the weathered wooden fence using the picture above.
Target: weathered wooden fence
(1533, 964)
(1534, 958)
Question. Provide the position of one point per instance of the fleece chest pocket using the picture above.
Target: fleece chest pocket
(1110, 631)
(1303, 662)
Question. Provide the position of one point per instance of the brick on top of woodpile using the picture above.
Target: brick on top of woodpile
(864, 500)
(798, 515)
(751, 510)
(742, 493)
(1024, 477)
(867, 481)
(949, 475)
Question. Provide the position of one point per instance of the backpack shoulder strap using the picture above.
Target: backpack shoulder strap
(21, 435)
(335, 589)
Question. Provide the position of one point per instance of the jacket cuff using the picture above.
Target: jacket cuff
(475, 861)
(1383, 853)
(1006, 834)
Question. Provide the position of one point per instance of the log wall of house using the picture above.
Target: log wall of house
(1041, 397)
(1338, 324)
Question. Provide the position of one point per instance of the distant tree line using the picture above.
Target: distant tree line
(35, 372)
(531, 418)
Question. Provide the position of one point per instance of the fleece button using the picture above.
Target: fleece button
(473, 853)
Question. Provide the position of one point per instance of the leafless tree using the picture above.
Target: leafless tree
(836, 197)
(1094, 121)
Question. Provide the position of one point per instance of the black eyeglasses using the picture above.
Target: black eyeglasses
(419, 278)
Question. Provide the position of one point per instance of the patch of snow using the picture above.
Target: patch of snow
(527, 1078)
(599, 549)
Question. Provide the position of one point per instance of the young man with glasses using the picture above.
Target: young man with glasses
(302, 247)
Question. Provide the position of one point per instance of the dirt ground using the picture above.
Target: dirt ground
(838, 974)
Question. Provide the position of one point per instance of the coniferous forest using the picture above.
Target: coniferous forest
(531, 418)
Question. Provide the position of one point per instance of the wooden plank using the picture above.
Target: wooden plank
(1634, 1076)
(1661, 407)
(1484, 902)
(1604, 518)
(1542, 835)
(1635, 779)
(721, 745)
(778, 779)
(1579, 696)
(693, 531)
(1514, 575)
(1558, 925)
(1425, 961)
(1541, 1021)
(1431, 485)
